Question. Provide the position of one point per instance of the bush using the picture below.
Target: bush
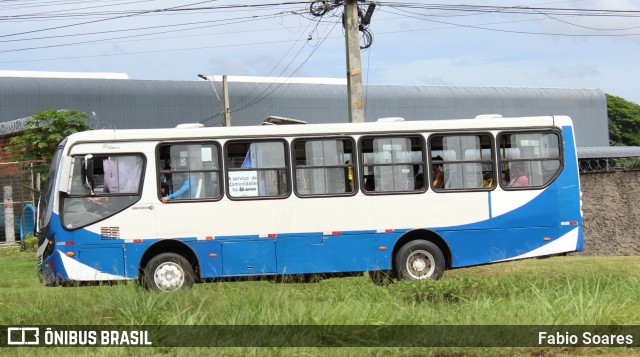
(29, 244)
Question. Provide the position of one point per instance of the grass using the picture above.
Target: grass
(555, 291)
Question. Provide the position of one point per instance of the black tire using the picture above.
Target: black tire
(168, 272)
(418, 260)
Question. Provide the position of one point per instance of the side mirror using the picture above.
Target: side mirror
(87, 172)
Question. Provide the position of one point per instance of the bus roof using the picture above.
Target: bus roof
(194, 132)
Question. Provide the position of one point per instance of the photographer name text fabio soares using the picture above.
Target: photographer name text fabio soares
(585, 339)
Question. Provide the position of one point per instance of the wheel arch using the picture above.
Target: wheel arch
(170, 246)
(426, 235)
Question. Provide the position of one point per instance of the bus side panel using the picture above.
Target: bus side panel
(327, 253)
(526, 208)
(105, 259)
(475, 247)
(209, 253)
(82, 256)
(248, 257)
(97, 255)
(301, 254)
(514, 233)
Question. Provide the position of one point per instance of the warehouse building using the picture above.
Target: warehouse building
(120, 103)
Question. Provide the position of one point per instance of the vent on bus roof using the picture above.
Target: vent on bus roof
(109, 232)
(274, 120)
(389, 120)
(189, 126)
(488, 116)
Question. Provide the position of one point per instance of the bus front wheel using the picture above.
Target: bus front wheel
(168, 272)
(420, 259)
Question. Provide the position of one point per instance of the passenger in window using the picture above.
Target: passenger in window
(520, 178)
(438, 175)
(369, 184)
(186, 190)
(506, 177)
(348, 177)
(166, 185)
(487, 180)
(419, 182)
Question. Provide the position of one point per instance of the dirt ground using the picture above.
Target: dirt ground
(611, 206)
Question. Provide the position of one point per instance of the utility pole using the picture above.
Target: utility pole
(226, 107)
(354, 67)
(225, 95)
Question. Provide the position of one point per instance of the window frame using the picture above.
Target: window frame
(220, 170)
(64, 196)
(287, 167)
(354, 165)
(361, 165)
(560, 158)
(492, 144)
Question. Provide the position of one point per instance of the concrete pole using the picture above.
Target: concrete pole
(9, 229)
(354, 67)
(227, 106)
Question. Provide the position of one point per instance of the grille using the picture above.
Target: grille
(110, 232)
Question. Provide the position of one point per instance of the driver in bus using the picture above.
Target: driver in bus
(186, 190)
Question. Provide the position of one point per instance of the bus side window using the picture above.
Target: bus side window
(257, 169)
(529, 159)
(465, 161)
(392, 164)
(323, 167)
(189, 171)
(117, 183)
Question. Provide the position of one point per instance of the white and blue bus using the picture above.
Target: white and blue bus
(404, 199)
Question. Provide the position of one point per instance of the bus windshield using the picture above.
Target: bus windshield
(45, 204)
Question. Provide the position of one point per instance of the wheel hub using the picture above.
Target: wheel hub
(421, 264)
(169, 276)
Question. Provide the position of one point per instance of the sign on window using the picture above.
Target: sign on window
(243, 183)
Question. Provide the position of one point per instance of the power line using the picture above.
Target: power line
(517, 9)
(148, 52)
(95, 21)
(480, 27)
(209, 24)
(263, 96)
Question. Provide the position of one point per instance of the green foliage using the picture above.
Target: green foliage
(454, 290)
(43, 132)
(624, 122)
(29, 244)
(575, 290)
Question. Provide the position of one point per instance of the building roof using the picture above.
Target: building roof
(43, 74)
(129, 104)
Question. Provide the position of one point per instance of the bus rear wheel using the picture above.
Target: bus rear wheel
(418, 260)
(168, 272)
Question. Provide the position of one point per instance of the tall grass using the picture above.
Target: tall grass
(567, 290)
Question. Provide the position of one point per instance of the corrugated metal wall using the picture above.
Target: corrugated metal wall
(152, 104)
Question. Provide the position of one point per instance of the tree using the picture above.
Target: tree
(624, 122)
(43, 131)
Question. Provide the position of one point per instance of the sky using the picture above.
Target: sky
(548, 44)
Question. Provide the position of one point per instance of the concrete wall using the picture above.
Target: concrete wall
(611, 205)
